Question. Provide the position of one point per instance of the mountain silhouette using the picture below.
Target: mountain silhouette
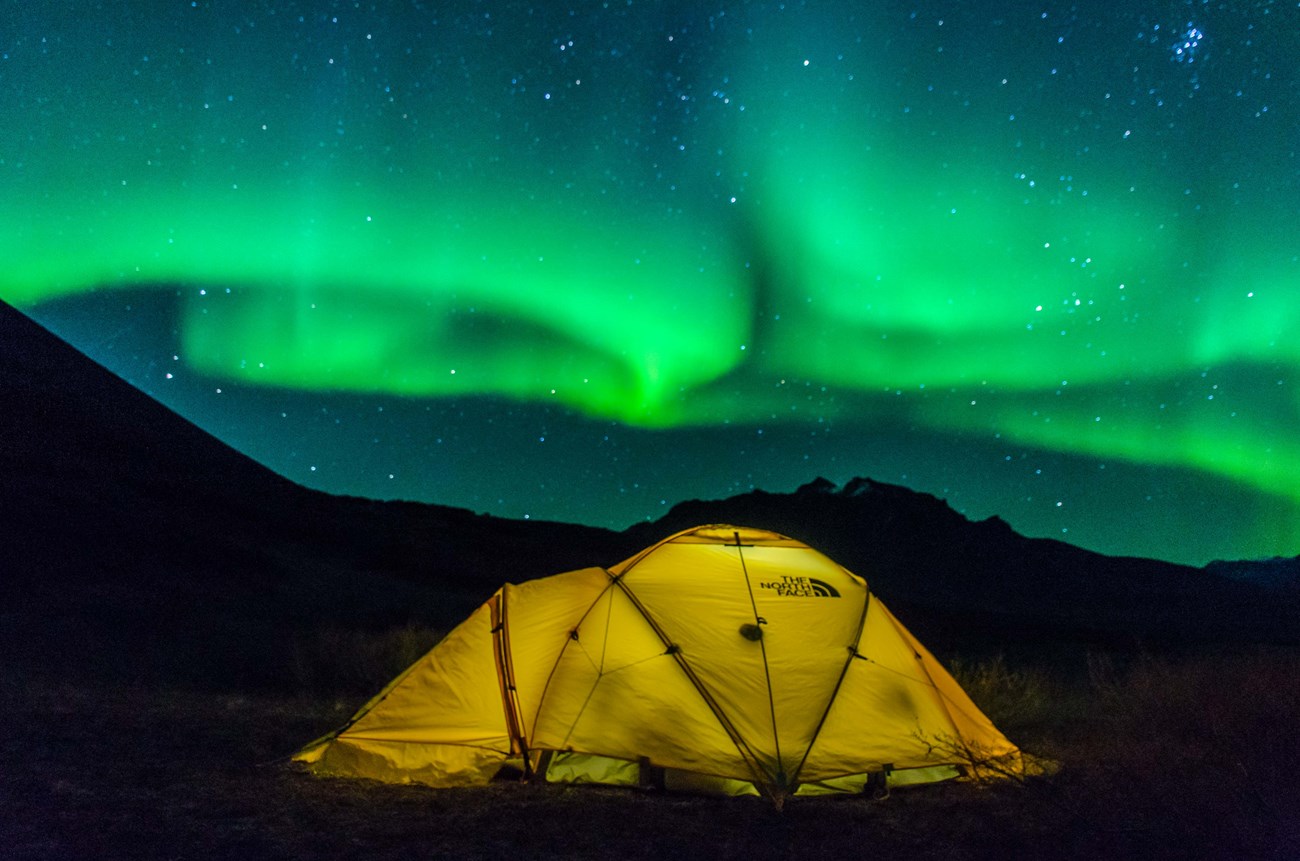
(954, 577)
(125, 524)
(138, 544)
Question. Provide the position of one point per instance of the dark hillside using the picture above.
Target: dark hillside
(132, 538)
(136, 543)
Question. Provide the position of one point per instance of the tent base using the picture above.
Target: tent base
(584, 768)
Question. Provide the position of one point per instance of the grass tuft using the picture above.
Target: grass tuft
(1020, 701)
(335, 660)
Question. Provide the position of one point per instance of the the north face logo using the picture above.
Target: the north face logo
(800, 587)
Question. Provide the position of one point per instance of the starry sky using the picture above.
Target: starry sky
(580, 263)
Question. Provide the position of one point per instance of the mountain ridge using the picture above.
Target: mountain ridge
(133, 534)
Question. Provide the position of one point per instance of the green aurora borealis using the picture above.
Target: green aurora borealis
(976, 241)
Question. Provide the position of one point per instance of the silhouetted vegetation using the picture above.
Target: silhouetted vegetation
(335, 660)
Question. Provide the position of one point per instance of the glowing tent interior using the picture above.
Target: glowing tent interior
(722, 659)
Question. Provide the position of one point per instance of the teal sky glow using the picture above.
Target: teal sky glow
(582, 263)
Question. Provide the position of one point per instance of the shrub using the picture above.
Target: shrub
(335, 660)
(1204, 746)
(1016, 700)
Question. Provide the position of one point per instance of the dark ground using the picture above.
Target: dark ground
(1193, 758)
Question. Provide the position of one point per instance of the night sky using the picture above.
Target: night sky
(1042, 261)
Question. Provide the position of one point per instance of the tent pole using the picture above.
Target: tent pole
(781, 782)
(506, 676)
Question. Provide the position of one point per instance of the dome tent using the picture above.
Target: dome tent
(722, 659)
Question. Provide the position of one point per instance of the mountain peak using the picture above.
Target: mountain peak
(816, 486)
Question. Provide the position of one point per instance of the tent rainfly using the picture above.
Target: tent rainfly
(722, 659)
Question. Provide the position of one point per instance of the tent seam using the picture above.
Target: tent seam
(742, 747)
(839, 683)
(767, 670)
(550, 677)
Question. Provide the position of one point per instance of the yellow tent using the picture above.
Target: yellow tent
(722, 659)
